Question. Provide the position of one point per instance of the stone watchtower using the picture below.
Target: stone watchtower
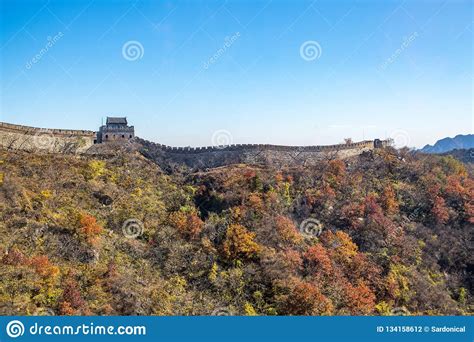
(115, 129)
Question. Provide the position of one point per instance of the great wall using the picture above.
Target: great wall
(27, 138)
(117, 133)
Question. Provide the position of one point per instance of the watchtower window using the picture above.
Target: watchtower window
(123, 136)
(106, 136)
(130, 136)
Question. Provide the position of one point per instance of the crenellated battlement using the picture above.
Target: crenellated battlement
(35, 130)
(214, 156)
(117, 132)
(44, 139)
(263, 147)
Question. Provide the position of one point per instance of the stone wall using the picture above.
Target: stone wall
(47, 140)
(208, 157)
(77, 141)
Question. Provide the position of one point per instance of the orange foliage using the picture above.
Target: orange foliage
(389, 200)
(360, 299)
(279, 177)
(293, 258)
(43, 267)
(306, 299)
(188, 224)
(65, 309)
(287, 230)
(320, 196)
(90, 229)
(255, 202)
(439, 210)
(342, 248)
(454, 187)
(318, 259)
(335, 172)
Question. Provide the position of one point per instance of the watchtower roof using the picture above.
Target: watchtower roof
(117, 120)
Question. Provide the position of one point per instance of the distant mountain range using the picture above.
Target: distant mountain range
(449, 144)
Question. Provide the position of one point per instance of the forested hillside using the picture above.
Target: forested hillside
(383, 233)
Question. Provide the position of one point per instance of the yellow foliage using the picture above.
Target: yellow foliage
(213, 273)
(249, 310)
(398, 283)
(240, 242)
(46, 194)
(383, 308)
(96, 169)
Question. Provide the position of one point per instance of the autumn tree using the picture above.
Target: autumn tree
(72, 300)
(188, 224)
(306, 299)
(239, 243)
(89, 229)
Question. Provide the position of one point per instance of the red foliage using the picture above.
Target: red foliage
(469, 210)
(353, 213)
(439, 210)
(454, 186)
(360, 299)
(14, 257)
(293, 258)
(306, 299)
(318, 259)
(72, 299)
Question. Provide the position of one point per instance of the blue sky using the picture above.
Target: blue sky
(380, 68)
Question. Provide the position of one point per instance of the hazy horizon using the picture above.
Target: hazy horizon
(275, 72)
